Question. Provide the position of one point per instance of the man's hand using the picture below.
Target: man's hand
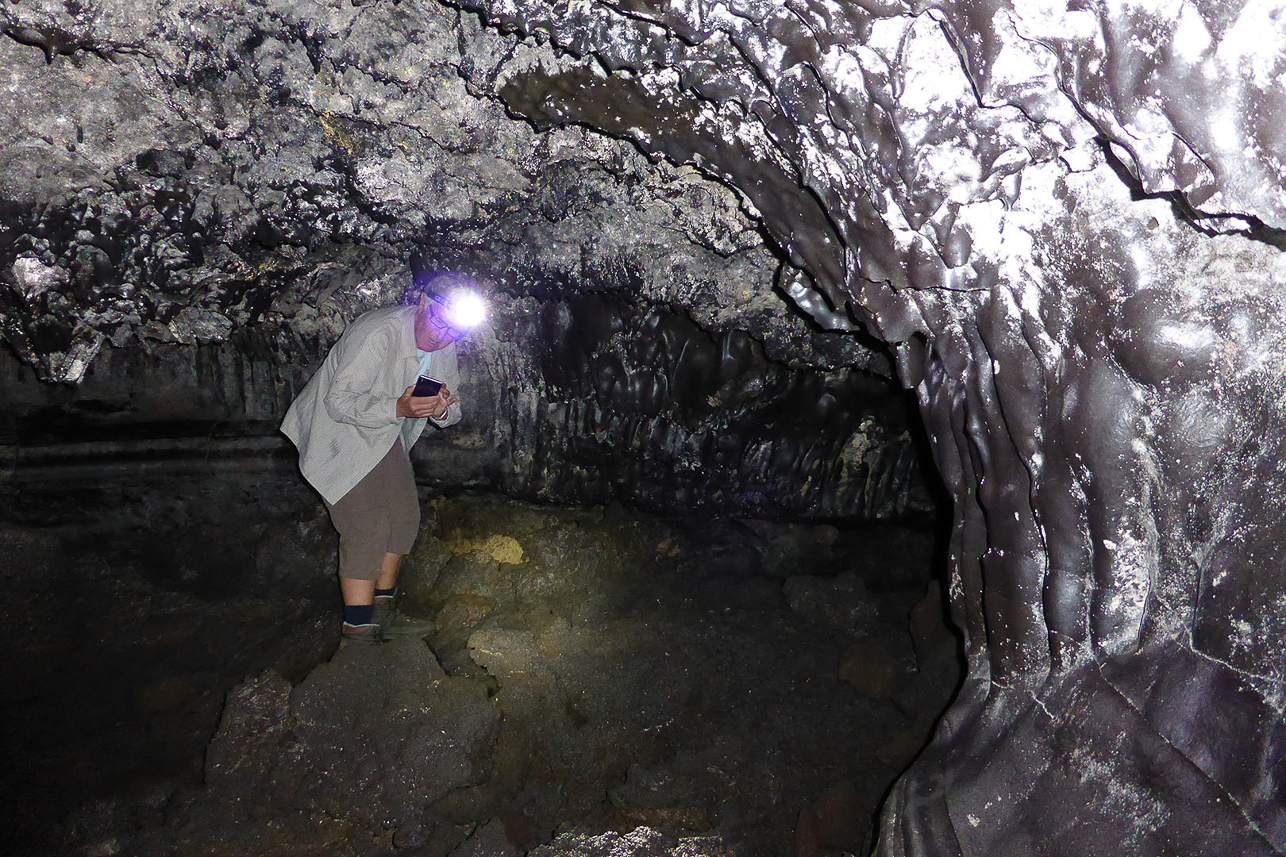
(409, 405)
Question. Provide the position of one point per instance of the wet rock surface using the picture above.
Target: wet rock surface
(1074, 244)
(599, 682)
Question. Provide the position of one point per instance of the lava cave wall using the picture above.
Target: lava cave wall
(196, 199)
(585, 399)
(1068, 221)
(1065, 219)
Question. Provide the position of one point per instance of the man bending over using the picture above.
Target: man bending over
(354, 423)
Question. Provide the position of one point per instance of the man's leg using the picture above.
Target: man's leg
(362, 519)
(359, 610)
(386, 586)
(377, 522)
(359, 568)
(389, 568)
(403, 507)
(393, 622)
(357, 593)
(361, 615)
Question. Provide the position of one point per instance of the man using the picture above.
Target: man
(354, 423)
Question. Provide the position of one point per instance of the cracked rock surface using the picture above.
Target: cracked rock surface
(175, 172)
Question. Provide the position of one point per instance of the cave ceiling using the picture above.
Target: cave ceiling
(1066, 221)
(175, 172)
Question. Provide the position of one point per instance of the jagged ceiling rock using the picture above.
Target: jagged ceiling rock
(172, 172)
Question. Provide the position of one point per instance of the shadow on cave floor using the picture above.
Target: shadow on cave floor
(747, 685)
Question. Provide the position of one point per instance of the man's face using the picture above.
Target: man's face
(432, 330)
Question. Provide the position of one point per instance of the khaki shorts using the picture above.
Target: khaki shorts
(381, 514)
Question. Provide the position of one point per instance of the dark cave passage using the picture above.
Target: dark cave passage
(709, 563)
(752, 685)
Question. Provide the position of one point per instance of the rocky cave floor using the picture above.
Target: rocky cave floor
(599, 682)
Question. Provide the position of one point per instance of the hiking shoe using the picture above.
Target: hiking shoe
(361, 635)
(394, 623)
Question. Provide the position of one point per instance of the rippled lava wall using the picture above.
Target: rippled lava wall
(636, 403)
(1067, 219)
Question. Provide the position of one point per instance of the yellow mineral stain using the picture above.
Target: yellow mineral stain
(501, 548)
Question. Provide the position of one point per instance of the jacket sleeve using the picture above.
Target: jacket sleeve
(451, 377)
(354, 396)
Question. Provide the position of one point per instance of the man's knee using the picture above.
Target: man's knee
(404, 530)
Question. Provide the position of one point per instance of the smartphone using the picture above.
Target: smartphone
(426, 386)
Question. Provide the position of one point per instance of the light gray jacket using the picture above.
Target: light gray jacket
(345, 419)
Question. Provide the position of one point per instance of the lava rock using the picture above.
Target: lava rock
(639, 842)
(842, 604)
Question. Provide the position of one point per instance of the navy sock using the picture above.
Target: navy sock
(386, 593)
(359, 614)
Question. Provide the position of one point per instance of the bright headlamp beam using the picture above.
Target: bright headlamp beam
(465, 310)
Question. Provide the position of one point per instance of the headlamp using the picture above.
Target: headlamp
(459, 311)
(464, 310)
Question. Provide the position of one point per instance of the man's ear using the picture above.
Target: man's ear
(424, 301)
